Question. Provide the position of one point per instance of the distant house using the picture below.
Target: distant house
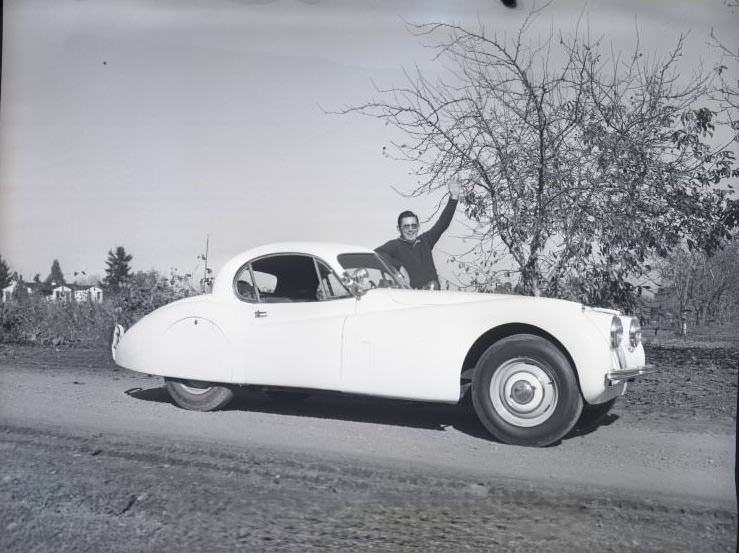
(62, 293)
(87, 293)
(10, 289)
(77, 292)
(52, 292)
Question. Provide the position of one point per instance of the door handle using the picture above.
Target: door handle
(259, 314)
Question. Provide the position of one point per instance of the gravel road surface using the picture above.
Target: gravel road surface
(96, 458)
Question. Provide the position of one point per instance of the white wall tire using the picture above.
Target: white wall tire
(198, 396)
(525, 391)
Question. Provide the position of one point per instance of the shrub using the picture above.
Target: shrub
(146, 291)
(37, 320)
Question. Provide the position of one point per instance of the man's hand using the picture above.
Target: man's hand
(454, 188)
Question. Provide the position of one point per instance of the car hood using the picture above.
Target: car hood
(445, 297)
(440, 297)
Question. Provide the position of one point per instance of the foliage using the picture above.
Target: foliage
(575, 174)
(40, 321)
(700, 287)
(5, 273)
(118, 270)
(145, 291)
(727, 93)
(36, 319)
(56, 276)
(20, 292)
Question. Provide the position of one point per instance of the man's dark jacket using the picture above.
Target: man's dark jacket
(416, 256)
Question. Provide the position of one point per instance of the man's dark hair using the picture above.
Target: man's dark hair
(407, 214)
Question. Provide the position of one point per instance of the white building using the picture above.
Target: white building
(62, 293)
(65, 292)
(8, 290)
(88, 293)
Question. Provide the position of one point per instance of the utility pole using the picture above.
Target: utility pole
(207, 243)
(206, 282)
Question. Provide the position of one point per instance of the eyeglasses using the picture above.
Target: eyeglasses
(412, 226)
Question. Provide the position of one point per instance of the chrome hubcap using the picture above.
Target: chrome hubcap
(522, 392)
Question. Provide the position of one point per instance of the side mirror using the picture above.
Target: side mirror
(356, 281)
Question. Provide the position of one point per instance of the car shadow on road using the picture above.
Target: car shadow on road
(327, 405)
(345, 407)
(585, 429)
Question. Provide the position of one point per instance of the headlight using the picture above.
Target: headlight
(617, 332)
(634, 332)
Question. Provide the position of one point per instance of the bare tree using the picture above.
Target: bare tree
(578, 165)
(702, 286)
(726, 93)
(729, 86)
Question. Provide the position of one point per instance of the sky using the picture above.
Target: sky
(152, 124)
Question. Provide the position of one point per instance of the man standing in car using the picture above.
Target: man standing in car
(413, 251)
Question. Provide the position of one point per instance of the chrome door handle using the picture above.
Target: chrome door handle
(259, 314)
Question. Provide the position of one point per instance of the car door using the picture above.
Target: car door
(297, 308)
(404, 351)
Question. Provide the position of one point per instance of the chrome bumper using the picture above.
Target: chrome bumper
(619, 376)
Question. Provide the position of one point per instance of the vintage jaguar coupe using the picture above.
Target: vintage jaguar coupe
(294, 317)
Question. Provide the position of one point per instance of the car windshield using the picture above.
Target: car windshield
(378, 273)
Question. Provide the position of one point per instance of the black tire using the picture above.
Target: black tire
(287, 396)
(525, 391)
(593, 414)
(198, 396)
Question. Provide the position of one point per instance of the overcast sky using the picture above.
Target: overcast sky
(150, 124)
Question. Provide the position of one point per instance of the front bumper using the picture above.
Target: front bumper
(622, 370)
(619, 376)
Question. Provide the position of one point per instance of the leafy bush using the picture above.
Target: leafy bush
(37, 320)
(146, 291)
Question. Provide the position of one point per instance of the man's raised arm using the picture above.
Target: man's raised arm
(434, 233)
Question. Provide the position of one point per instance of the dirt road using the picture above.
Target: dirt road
(98, 459)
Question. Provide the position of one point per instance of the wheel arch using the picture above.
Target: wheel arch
(497, 333)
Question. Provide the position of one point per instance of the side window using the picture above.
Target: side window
(249, 283)
(244, 284)
(266, 283)
(285, 278)
(330, 286)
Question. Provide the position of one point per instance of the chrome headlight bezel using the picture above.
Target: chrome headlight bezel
(617, 332)
(635, 335)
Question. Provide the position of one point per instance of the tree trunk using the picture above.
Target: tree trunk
(530, 278)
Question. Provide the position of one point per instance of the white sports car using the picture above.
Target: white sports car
(296, 317)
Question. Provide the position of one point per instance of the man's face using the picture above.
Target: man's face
(408, 228)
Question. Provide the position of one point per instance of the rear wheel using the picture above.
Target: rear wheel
(525, 391)
(198, 396)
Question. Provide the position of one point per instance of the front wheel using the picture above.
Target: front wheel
(525, 391)
(198, 396)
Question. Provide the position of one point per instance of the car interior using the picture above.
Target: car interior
(288, 278)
